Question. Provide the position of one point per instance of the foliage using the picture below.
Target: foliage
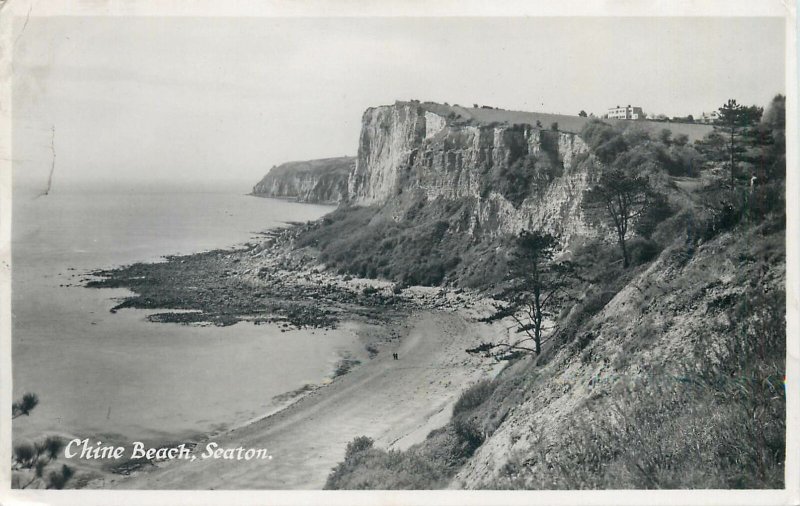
(605, 141)
(35, 457)
(629, 147)
(619, 199)
(759, 149)
(537, 286)
(643, 250)
(474, 396)
(24, 406)
(428, 247)
(657, 210)
(733, 126)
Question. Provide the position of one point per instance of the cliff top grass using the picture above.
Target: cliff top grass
(342, 164)
(485, 115)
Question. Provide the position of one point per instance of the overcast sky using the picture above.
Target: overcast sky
(223, 99)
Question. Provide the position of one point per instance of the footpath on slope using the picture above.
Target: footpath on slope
(396, 402)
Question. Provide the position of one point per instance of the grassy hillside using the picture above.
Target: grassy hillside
(341, 165)
(565, 122)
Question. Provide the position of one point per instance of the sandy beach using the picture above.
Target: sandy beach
(396, 402)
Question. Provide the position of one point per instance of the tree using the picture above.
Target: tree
(582, 114)
(537, 283)
(554, 125)
(35, 457)
(24, 406)
(619, 199)
(733, 120)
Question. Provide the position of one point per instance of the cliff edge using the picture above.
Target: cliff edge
(321, 181)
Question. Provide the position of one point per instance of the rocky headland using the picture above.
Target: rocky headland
(321, 181)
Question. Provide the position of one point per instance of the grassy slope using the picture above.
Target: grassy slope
(565, 122)
(341, 164)
(428, 247)
(335, 168)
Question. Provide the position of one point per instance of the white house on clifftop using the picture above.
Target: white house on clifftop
(625, 112)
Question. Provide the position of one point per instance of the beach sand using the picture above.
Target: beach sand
(396, 402)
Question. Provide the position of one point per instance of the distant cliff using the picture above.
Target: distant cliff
(314, 181)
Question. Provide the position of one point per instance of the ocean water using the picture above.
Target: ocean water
(118, 376)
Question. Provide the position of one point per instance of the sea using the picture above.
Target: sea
(117, 377)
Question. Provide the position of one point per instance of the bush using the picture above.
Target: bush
(368, 468)
(605, 141)
(643, 250)
(474, 396)
(25, 454)
(469, 431)
(358, 445)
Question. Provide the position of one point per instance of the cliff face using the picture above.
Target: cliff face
(315, 181)
(510, 176)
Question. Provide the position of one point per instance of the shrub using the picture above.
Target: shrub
(474, 396)
(25, 455)
(469, 431)
(368, 468)
(643, 250)
(344, 366)
(358, 445)
(605, 141)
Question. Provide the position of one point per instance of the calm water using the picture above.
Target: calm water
(118, 376)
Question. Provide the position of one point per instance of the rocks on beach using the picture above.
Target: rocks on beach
(268, 281)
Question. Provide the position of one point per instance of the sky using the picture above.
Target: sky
(213, 102)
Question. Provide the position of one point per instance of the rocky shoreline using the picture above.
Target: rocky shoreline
(267, 281)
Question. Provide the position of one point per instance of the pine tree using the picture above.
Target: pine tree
(35, 457)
